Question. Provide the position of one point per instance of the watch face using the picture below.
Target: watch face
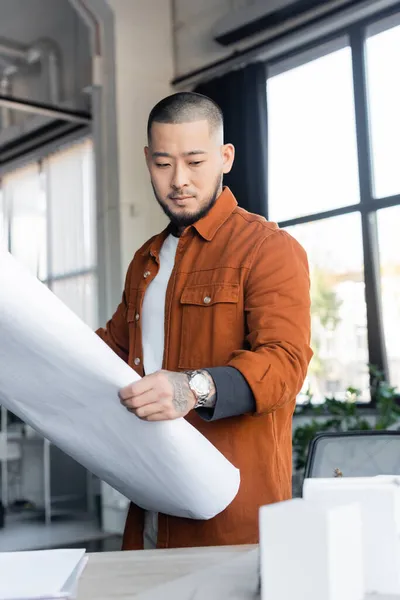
(201, 384)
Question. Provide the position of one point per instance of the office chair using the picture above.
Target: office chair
(354, 454)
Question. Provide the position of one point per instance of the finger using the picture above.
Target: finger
(160, 416)
(137, 388)
(143, 400)
(144, 412)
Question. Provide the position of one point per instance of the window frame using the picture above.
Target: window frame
(368, 207)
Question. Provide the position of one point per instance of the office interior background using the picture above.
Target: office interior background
(311, 94)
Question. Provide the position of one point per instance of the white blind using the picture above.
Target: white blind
(72, 228)
(49, 210)
(80, 295)
(25, 198)
(70, 189)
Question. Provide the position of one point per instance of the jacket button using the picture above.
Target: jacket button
(207, 300)
(137, 361)
(146, 274)
(137, 317)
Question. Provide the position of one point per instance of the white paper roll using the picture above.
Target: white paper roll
(60, 378)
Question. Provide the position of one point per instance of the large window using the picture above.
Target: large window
(339, 319)
(312, 131)
(334, 183)
(383, 54)
(47, 221)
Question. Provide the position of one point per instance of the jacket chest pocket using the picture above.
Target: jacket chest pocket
(210, 325)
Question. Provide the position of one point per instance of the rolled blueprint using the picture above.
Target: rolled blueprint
(60, 378)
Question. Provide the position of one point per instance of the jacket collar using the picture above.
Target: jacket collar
(207, 227)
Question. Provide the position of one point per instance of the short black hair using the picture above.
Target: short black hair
(186, 107)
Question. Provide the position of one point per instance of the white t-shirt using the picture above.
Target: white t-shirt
(153, 316)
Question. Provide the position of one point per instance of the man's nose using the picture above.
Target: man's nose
(180, 177)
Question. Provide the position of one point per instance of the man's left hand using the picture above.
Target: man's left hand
(161, 396)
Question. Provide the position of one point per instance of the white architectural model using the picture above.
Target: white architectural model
(311, 552)
(379, 501)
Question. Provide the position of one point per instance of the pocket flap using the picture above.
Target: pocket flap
(209, 294)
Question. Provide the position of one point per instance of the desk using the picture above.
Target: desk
(117, 575)
(124, 575)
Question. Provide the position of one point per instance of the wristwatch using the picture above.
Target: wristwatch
(200, 385)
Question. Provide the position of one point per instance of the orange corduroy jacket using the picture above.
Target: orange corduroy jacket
(238, 296)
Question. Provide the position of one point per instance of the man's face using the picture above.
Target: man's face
(186, 163)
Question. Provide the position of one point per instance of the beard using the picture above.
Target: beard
(185, 219)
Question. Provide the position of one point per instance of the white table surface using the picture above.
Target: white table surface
(117, 575)
(125, 575)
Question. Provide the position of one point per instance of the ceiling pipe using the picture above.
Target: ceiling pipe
(7, 70)
(42, 51)
(13, 50)
(46, 110)
(6, 119)
(47, 53)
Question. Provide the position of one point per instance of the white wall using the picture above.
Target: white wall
(144, 70)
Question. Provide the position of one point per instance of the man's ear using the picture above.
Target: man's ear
(147, 156)
(228, 156)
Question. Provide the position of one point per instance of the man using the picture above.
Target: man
(215, 317)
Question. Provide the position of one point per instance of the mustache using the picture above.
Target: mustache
(178, 195)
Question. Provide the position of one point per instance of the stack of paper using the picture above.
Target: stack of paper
(40, 575)
(61, 379)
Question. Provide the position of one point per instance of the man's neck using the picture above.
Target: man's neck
(175, 230)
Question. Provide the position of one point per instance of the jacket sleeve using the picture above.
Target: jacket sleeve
(115, 334)
(233, 395)
(277, 311)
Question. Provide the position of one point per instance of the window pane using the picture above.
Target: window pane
(339, 319)
(312, 149)
(388, 232)
(26, 200)
(383, 54)
(70, 186)
(80, 295)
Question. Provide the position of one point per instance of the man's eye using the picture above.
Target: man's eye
(162, 165)
(196, 163)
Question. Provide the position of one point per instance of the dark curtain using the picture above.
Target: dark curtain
(242, 96)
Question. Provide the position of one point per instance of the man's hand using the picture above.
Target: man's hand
(161, 396)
